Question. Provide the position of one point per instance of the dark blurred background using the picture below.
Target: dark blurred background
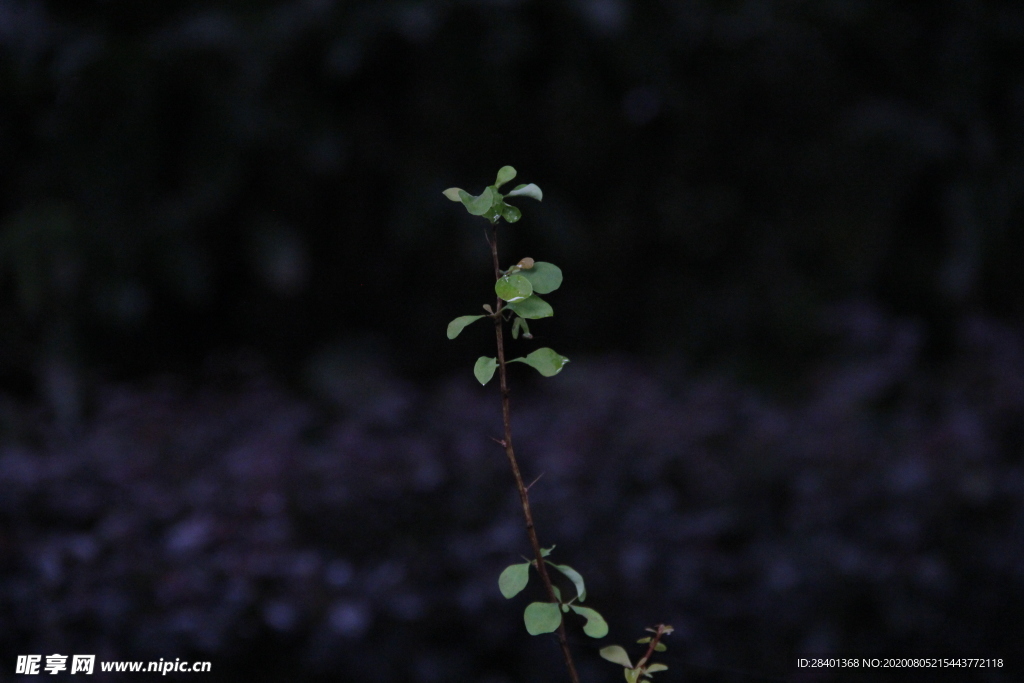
(232, 427)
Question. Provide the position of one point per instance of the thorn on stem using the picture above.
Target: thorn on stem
(500, 442)
(534, 481)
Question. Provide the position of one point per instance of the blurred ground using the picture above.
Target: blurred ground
(361, 535)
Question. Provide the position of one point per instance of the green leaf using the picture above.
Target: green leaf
(510, 213)
(655, 668)
(596, 626)
(617, 655)
(545, 277)
(644, 640)
(632, 675)
(660, 647)
(532, 307)
(542, 617)
(514, 579)
(513, 287)
(484, 369)
(452, 193)
(456, 326)
(530, 190)
(505, 174)
(544, 552)
(545, 361)
(557, 592)
(565, 608)
(478, 206)
(516, 324)
(575, 577)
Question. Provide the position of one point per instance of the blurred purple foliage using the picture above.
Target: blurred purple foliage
(879, 511)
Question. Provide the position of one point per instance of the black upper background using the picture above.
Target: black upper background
(182, 178)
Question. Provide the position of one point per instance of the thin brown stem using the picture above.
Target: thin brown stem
(659, 631)
(524, 495)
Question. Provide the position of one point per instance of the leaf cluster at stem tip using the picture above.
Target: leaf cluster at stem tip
(490, 203)
(545, 617)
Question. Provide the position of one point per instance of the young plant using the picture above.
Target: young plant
(518, 289)
(644, 668)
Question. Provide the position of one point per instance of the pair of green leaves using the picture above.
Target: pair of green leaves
(490, 203)
(545, 617)
(456, 326)
(545, 361)
(519, 282)
(519, 288)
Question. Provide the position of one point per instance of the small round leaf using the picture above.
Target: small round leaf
(452, 193)
(484, 369)
(510, 213)
(596, 626)
(505, 174)
(513, 287)
(532, 307)
(478, 206)
(545, 277)
(545, 361)
(575, 577)
(655, 668)
(660, 647)
(456, 326)
(530, 190)
(542, 617)
(514, 579)
(616, 654)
